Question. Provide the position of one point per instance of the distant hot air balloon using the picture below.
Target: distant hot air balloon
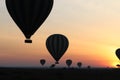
(88, 67)
(42, 61)
(52, 66)
(68, 62)
(79, 64)
(118, 65)
(57, 44)
(118, 53)
(29, 14)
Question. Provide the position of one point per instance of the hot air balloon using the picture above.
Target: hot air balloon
(29, 14)
(68, 62)
(57, 44)
(118, 53)
(79, 64)
(52, 66)
(118, 65)
(42, 61)
(89, 67)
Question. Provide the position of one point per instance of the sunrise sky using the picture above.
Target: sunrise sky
(92, 27)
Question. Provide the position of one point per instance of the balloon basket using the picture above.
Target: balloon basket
(56, 62)
(28, 41)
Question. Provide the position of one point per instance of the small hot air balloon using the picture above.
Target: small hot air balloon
(79, 64)
(89, 67)
(57, 44)
(42, 61)
(118, 53)
(52, 66)
(118, 65)
(29, 14)
(68, 62)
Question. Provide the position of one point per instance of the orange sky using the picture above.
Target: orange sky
(92, 27)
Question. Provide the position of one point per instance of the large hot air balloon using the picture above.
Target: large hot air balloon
(68, 62)
(118, 53)
(57, 44)
(42, 61)
(29, 14)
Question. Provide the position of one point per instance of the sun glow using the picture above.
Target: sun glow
(113, 58)
(114, 64)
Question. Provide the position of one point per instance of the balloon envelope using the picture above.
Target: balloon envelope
(118, 65)
(68, 62)
(52, 66)
(57, 44)
(118, 53)
(79, 64)
(42, 61)
(29, 14)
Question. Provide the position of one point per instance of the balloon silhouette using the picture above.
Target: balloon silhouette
(42, 61)
(68, 62)
(88, 67)
(79, 64)
(118, 53)
(52, 66)
(57, 44)
(118, 65)
(29, 14)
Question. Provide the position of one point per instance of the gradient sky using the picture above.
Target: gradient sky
(92, 27)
